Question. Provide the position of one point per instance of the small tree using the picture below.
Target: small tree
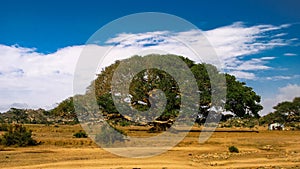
(18, 135)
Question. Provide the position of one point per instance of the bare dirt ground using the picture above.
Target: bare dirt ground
(266, 149)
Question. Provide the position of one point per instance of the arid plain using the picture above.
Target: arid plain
(265, 149)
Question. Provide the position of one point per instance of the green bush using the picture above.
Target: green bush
(18, 135)
(80, 134)
(233, 149)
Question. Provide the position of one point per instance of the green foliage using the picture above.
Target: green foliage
(285, 112)
(156, 79)
(241, 99)
(233, 149)
(139, 89)
(4, 127)
(106, 102)
(65, 109)
(272, 118)
(289, 110)
(80, 134)
(17, 115)
(18, 135)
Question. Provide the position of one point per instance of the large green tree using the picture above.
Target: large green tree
(241, 99)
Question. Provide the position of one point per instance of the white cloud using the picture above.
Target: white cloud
(36, 79)
(275, 78)
(40, 80)
(238, 40)
(231, 44)
(280, 34)
(290, 54)
(243, 75)
(286, 93)
(139, 39)
(254, 64)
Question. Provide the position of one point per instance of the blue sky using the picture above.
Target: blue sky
(49, 25)
(54, 30)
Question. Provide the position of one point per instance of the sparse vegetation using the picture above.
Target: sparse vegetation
(61, 150)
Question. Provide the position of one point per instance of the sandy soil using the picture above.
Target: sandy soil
(266, 149)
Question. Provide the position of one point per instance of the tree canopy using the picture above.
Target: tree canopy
(290, 110)
(241, 99)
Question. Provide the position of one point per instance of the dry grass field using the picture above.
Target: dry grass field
(266, 149)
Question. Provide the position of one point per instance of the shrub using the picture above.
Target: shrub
(80, 134)
(18, 135)
(233, 149)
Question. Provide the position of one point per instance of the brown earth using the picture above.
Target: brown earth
(266, 149)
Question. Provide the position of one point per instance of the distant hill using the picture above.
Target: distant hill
(6, 107)
(62, 114)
